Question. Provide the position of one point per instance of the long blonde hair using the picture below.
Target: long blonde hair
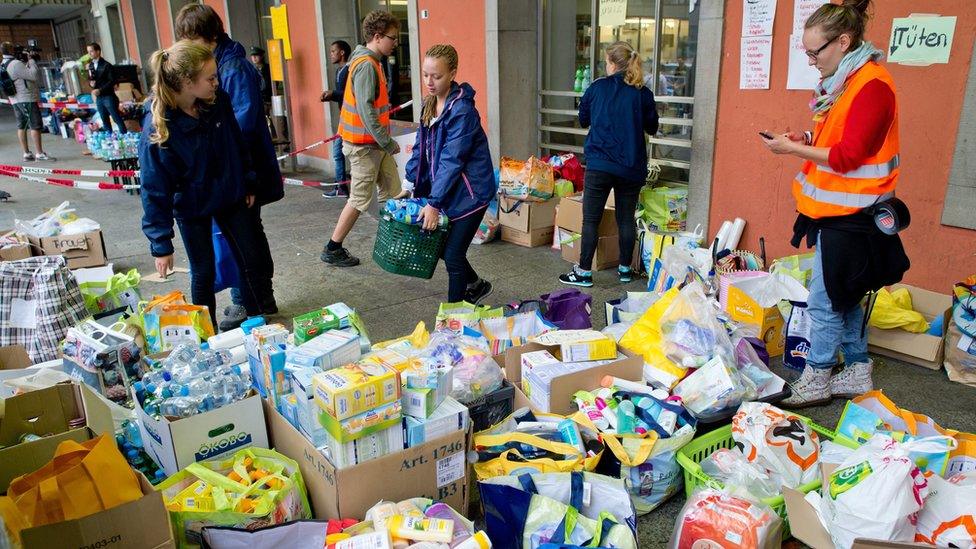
(624, 57)
(450, 56)
(171, 68)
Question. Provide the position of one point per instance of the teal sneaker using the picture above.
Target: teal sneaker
(626, 274)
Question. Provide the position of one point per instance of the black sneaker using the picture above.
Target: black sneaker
(480, 291)
(339, 258)
(234, 315)
(574, 278)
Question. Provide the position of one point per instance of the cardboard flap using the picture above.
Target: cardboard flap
(804, 522)
(14, 357)
(98, 415)
(42, 412)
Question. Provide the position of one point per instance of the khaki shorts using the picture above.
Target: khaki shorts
(370, 167)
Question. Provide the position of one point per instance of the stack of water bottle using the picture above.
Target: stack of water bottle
(114, 145)
(407, 210)
(130, 444)
(191, 380)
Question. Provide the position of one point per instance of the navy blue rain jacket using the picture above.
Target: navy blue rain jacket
(618, 115)
(242, 82)
(450, 164)
(201, 169)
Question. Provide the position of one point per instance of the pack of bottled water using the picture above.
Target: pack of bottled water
(191, 380)
(113, 145)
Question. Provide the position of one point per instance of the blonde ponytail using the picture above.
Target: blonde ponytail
(450, 57)
(171, 67)
(625, 58)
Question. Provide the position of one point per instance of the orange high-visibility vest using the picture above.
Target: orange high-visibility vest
(820, 191)
(351, 127)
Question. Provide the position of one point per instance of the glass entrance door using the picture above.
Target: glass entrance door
(398, 65)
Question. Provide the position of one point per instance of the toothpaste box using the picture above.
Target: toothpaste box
(289, 409)
(580, 345)
(305, 409)
(449, 417)
(315, 323)
(376, 445)
(354, 389)
(537, 358)
(428, 391)
(254, 343)
(372, 421)
(537, 382)
(329, 350)
(275, 380)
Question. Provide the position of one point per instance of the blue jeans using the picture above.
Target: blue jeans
(339, 160)
(830, 330)
(108, 109)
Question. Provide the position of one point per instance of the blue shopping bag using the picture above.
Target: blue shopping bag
(228, 275)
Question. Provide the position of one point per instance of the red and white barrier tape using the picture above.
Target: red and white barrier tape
(60, 105)
(336, 136)
(60, 171)
(87, 185)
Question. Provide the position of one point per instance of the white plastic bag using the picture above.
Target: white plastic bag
(777, 441)
(878, 472)
(740, 477)
(693, 335)
(948, 518)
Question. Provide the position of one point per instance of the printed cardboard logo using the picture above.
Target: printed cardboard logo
(227, 444)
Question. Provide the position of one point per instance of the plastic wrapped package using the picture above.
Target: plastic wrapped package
(680, 260)
(475, 373)
(777, 441)
(715, 520)
(752, 367)
(693, 335)
(948, 518)
(740, 477)
(714, 387)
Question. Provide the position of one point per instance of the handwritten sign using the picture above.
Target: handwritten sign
(921, 39)
(757, 17)
(754, 62)
(613, 12)
(801, 75)
(802, 10)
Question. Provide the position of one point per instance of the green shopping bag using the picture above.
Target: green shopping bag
(121, 290)
(797, 267)
(461, 315)
(664, 208)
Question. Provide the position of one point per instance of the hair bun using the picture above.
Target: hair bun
(861, 6)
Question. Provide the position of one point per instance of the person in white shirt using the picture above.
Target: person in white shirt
(24, 72)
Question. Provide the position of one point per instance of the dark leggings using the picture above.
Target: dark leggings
(239, 229)
(459, 271)
(264, 249)
(596, 190)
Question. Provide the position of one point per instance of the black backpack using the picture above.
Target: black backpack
(7, 85)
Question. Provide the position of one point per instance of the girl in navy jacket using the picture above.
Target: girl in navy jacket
(619, 111)
(195, 169)
(451, 167)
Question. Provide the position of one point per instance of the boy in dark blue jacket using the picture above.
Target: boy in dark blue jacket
(242, 82)
(196, 169)
(619, 111)
(451, 167)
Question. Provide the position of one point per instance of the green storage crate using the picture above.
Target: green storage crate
(408, 249)
(692, 454)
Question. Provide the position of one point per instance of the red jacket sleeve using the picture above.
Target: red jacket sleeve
(870, 117)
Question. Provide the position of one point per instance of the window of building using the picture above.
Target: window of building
(398, 70)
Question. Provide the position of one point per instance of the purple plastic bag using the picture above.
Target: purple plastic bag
(569, 309)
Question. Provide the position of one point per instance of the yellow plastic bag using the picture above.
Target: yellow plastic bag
(894, 310)
(415, 340)
(644, 338)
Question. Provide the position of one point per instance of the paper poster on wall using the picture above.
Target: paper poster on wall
(279, 28)
(754, 62)
(802, 10)
(921, 39)
(613, 12)
(758, 17)
(801, 75)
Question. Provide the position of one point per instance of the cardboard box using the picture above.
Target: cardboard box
(348, 454)
(139, 524)
(256, 344)
(569, 216)
(526, 217)
(79, 250)
(14, 357)
(355, 389)
(46, 412)
(437, 470)
(530, 239)
(313, 324)
(15, 252)
(579, 345)
(562, 388)
(175, 443)
(306, 411)
(449, 417)
(367, 423)
(920, 349)
(421, 403)
(607, 254)
(329, 350)
(960, 356)
(769, 320)
(537, 381)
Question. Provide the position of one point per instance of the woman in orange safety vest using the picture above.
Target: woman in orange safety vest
(851, 162)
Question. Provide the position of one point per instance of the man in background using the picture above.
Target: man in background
(339, 52)
(102, 80)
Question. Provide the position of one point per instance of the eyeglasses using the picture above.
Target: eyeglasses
(815, 54)
(394, 38)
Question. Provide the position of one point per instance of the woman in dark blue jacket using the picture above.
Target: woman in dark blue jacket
(195, 168)
(451, 167)
(618, 110)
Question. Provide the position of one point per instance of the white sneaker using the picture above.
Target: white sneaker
(853, 380)
(44, 156)
(811, 389)
(28, 157)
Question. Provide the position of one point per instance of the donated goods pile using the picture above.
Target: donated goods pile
(136, 424)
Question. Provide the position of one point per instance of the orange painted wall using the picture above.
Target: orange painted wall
(218, 6)
(751, 183)
(164, 26)
(461, 24)
(128, 21)
(307, 117)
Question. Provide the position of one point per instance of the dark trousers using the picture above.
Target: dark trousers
(238, 227)
(263, 249)
(108, 109)
(596, 190)
(459, 271)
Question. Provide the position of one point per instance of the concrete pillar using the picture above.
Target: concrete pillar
(242, 23)
(708, 61)
(512, 56)
(338, 23)
(147, 39)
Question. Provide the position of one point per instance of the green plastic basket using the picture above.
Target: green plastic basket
(408, 249)
(693, 453)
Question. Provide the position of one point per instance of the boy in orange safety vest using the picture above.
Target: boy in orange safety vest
(364, 125)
